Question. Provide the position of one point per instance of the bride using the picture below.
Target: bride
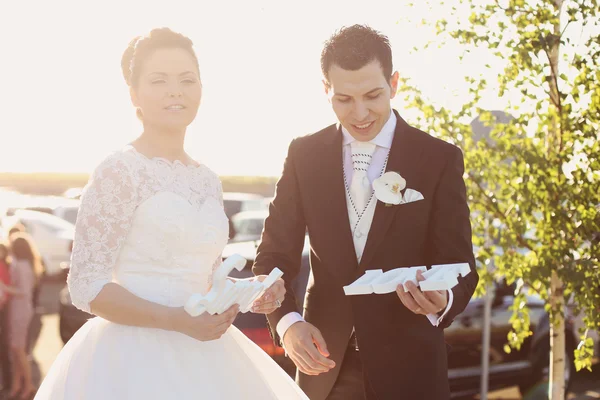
(150, 232)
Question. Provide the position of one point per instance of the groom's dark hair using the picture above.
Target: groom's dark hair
(351, 48)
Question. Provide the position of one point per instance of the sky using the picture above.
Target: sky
(65, 105)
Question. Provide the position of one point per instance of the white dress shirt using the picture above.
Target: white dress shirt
(383, 141)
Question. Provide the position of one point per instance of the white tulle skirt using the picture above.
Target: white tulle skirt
(104, 361)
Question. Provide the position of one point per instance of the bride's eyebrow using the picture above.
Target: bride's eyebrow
(165, 74)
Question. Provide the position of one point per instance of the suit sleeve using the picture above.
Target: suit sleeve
(283, 237)
(450, 232)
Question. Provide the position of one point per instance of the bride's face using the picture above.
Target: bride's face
(168, 91)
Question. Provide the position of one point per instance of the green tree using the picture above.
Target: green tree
(534, 184)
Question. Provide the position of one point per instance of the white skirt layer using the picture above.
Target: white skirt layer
(104, 361)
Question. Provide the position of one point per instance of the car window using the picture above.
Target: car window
(241, 226)
(46, 210)
(254, 205)
(231, 207)
(256, 226)
(71, 215)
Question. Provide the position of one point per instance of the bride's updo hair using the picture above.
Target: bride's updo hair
(141, 47)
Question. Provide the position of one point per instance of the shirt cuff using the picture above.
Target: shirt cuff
(434, 318)
(286, 321)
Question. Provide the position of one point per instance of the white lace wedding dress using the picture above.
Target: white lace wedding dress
(157, 228)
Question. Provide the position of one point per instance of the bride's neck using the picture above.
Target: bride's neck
(160, 143)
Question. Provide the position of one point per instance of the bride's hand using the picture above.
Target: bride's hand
(270, 300)
(204, 327)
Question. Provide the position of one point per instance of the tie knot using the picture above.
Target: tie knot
(363, 146)
(362, 153)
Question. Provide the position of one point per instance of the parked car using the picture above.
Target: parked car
(66, 209)
(525, 367)
(67, 212)
(248, 225)
(238, 202)
(52, 235)
(234, 203)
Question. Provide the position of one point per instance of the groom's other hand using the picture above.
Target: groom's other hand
(306, 347)
(430, 302)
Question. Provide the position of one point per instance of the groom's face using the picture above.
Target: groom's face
(361, 98)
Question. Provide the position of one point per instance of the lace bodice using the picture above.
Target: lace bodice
(155, 227)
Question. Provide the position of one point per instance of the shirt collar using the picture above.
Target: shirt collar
(384, 137)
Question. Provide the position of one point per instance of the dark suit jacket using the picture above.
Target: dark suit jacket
(403, 354)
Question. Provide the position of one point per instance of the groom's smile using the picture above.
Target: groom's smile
(364, 129)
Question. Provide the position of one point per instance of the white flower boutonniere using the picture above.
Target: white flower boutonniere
(388, 189)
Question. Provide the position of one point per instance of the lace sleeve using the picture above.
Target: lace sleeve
(220, 192)
(103, 221)
(219, 196)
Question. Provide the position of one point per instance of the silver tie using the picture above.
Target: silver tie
(360, 187)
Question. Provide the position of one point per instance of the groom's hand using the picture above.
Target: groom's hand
(272, 298)
(306, 347)
(430, 302)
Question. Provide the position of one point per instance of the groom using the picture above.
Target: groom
(371, 346)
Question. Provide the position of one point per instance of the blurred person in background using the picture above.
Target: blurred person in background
(25, 273)
(4, 298)
(16, 228)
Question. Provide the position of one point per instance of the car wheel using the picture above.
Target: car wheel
(538, 380)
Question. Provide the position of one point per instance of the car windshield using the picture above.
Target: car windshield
(252, 226)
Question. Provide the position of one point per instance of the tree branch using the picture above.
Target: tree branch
(511, 9)
(555, 97)
(564, 29)
(495, 210)
(556, 102)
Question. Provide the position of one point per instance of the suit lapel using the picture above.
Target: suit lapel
(402, 158)
(335, 210)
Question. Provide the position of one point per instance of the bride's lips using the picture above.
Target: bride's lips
(175, 107)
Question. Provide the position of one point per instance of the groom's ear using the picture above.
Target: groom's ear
(394, 84)
(327, 87)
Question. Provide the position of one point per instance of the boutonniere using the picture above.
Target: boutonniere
(388, 189)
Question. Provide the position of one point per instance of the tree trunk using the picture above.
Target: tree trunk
(556, 387)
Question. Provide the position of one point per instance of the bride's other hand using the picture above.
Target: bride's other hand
(270, 300)
(204, 327)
